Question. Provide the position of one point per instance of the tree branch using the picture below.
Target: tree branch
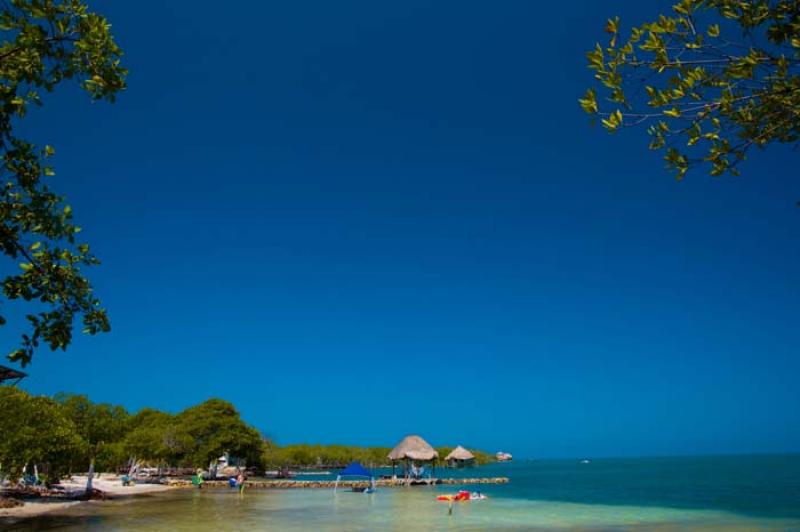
(18, 49)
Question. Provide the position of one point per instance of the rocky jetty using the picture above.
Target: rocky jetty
(312, 484)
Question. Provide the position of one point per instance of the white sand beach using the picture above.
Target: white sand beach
(111, 485)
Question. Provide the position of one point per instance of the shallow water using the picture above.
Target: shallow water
(714, 493)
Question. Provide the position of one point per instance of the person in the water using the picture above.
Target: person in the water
(198, 479)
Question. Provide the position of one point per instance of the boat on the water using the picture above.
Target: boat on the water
(279, 474)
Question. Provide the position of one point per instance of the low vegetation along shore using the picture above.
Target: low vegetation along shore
(328, 456)
(47, 444)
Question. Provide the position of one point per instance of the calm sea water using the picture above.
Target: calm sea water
(696, 493)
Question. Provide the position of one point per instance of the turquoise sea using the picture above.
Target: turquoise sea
(686, 493)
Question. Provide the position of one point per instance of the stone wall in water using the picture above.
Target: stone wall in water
(291, 484)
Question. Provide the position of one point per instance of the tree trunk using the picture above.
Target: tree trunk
(88, 491)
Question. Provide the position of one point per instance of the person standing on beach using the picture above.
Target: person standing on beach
(240, 483)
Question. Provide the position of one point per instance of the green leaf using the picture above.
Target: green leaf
(612, 25)
(614, 121)
(589, 102)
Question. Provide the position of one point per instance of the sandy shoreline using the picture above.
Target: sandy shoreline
(111, 485)
(36, 508)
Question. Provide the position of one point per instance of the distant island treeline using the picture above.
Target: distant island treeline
(54, 436)
(329, 456)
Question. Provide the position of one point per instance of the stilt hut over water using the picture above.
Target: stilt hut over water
(460, 457)
(413, 452)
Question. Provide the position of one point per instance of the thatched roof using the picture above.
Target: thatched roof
(459, 453)
(10, 374)
(414, 448)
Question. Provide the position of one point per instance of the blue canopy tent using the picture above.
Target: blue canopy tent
(356, 470)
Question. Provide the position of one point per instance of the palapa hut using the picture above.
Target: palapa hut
(411, 451)
(460, 457)
(8, 374)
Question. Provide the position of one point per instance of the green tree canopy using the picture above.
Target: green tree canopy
(45, 42)
(216, 428)
(35, 430)
(156, 437)
(710, 80)
(70, 432)
(98, 424)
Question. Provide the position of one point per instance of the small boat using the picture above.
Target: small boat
(586, 461)
(280, 474)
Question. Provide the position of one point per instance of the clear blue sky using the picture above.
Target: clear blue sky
(356, 220)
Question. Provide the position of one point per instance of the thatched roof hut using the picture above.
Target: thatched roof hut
(459, 453)
(8, 374)
(413, 448)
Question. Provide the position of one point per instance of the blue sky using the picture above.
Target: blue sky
(356, 220)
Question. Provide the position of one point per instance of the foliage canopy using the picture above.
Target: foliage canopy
(710, 80)
(68, 433)
(45, 42)
(97, 424)
(35, 430)
(216, 428)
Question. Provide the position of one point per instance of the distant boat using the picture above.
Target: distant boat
(586, 461)
(503, 457)
(279, 474)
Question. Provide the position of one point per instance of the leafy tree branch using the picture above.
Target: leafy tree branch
(46, 42)
(709, 98)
